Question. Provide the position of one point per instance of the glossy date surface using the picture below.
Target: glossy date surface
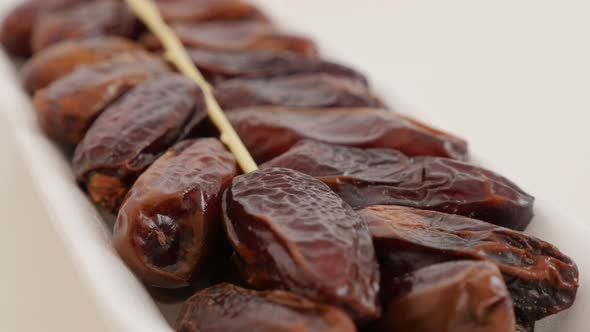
(169, 225)
(208, 10)
(234, 36)
(304, 90)
(229, 308)
(86, 19)
(270, 131)
(462, 296)
(218, 66)
(62, 58)
(68, 106)
(291, 231)
(131, 133)
(364, 177)
(17, 26)
(542, 280)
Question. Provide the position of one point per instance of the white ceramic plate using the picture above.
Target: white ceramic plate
(123, 301)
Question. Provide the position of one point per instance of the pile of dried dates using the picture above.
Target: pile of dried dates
(358, 219)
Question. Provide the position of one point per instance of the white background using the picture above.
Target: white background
(511, 76)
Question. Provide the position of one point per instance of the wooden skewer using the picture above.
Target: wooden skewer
(176, 53)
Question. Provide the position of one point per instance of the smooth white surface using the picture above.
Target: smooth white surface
(117, 301)
(40, 290)
(510, 76)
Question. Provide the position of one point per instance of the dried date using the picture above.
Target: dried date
(541, 280)
(236, 36)
(462, 296)
(17, 26)
(270, 131)
(525, 326)
(228, 308)
(86, 19)
(208, 10)
(304, 90)
(169, 224)
(62, 58)
(364, 177)
(290, 231)
(218, 66)
(68, 106)
(133, 132)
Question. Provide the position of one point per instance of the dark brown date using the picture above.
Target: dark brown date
(228, 308)
(68, 106)
(62, 58)
(208, 10)
(364, 177)
(17, 26)
(218, 66)
(462, 296)
(291, 231)
(270, 131)
(542, 280)
(304, 90)
(130, 134)
(525, 326)
(87, 19)
(169, 223)
(236, 36)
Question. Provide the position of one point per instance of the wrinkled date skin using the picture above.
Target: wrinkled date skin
(364, 177)
(130, 134)
(68, 106)
(304, 90)
(290, 231)
(270, 131)
(169, 223)
(235, 36)
(218, 66)
(62, 58)
(208, 10)
(87, 19)
(17, 26)
(462, 296)
(542, 280)
(228, 308)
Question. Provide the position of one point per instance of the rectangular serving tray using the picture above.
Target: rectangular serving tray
(124, 303)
